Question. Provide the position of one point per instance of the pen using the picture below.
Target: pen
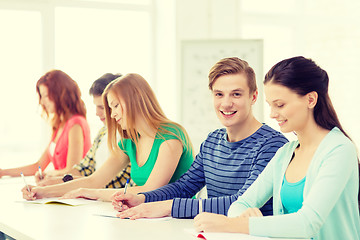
(126, 184)
(27, 186)
(40, 173)
(200, 206)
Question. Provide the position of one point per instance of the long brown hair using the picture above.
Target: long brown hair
(140, 102)
(65, 94)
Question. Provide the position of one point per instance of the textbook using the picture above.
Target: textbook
(61, 201)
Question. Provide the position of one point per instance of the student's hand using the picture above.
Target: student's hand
(38, 179)
(252, 212)
(122, 201)
(211, 222)
(148, 210)
(35, 192)
(82, 193)
(1, 173)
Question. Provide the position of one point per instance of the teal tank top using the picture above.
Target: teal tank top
(292, 195)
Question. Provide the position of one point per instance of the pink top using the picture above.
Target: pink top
(59, 158)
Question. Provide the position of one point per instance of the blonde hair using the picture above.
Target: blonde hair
(140, 102)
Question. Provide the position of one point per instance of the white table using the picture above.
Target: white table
(49, 221)
(25, 221)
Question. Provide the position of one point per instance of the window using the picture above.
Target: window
(85, 39)
(21, 67)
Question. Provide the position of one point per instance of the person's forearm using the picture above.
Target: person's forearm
(28, 170)
(60, 189)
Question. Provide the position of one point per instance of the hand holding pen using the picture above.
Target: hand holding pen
(27, 193)
(39, 176)
(122, 200)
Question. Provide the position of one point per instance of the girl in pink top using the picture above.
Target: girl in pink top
(60, 98)
(60, 154)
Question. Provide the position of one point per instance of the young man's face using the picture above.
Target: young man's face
(232, 100)
(100, 110)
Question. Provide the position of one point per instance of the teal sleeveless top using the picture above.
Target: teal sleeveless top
(292, 195)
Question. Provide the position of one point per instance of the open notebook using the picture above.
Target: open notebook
(69, 202)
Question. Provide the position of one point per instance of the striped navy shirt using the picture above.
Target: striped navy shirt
(226, 168)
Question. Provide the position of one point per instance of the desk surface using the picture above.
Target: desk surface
(48, 221)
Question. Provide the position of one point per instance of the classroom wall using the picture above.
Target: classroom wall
(326, 31)
(201, 20)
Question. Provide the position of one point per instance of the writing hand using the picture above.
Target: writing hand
(122, 201)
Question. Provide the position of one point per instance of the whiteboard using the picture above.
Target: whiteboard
(197, 57)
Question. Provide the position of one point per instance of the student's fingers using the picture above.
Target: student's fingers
(120, 196)
(198, 222)
(198, 227)
(114, 196)
(126, 214)
(136, 216)
(116, 202)
(128, 199)
(117, 208)
(37, 177)
(28, 195)
(120, 207)
(117, 205)
(257, 212)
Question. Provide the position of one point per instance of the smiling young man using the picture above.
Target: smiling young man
(230, 159)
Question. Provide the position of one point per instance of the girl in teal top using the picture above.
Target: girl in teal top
(324, 156)
(159, 150)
